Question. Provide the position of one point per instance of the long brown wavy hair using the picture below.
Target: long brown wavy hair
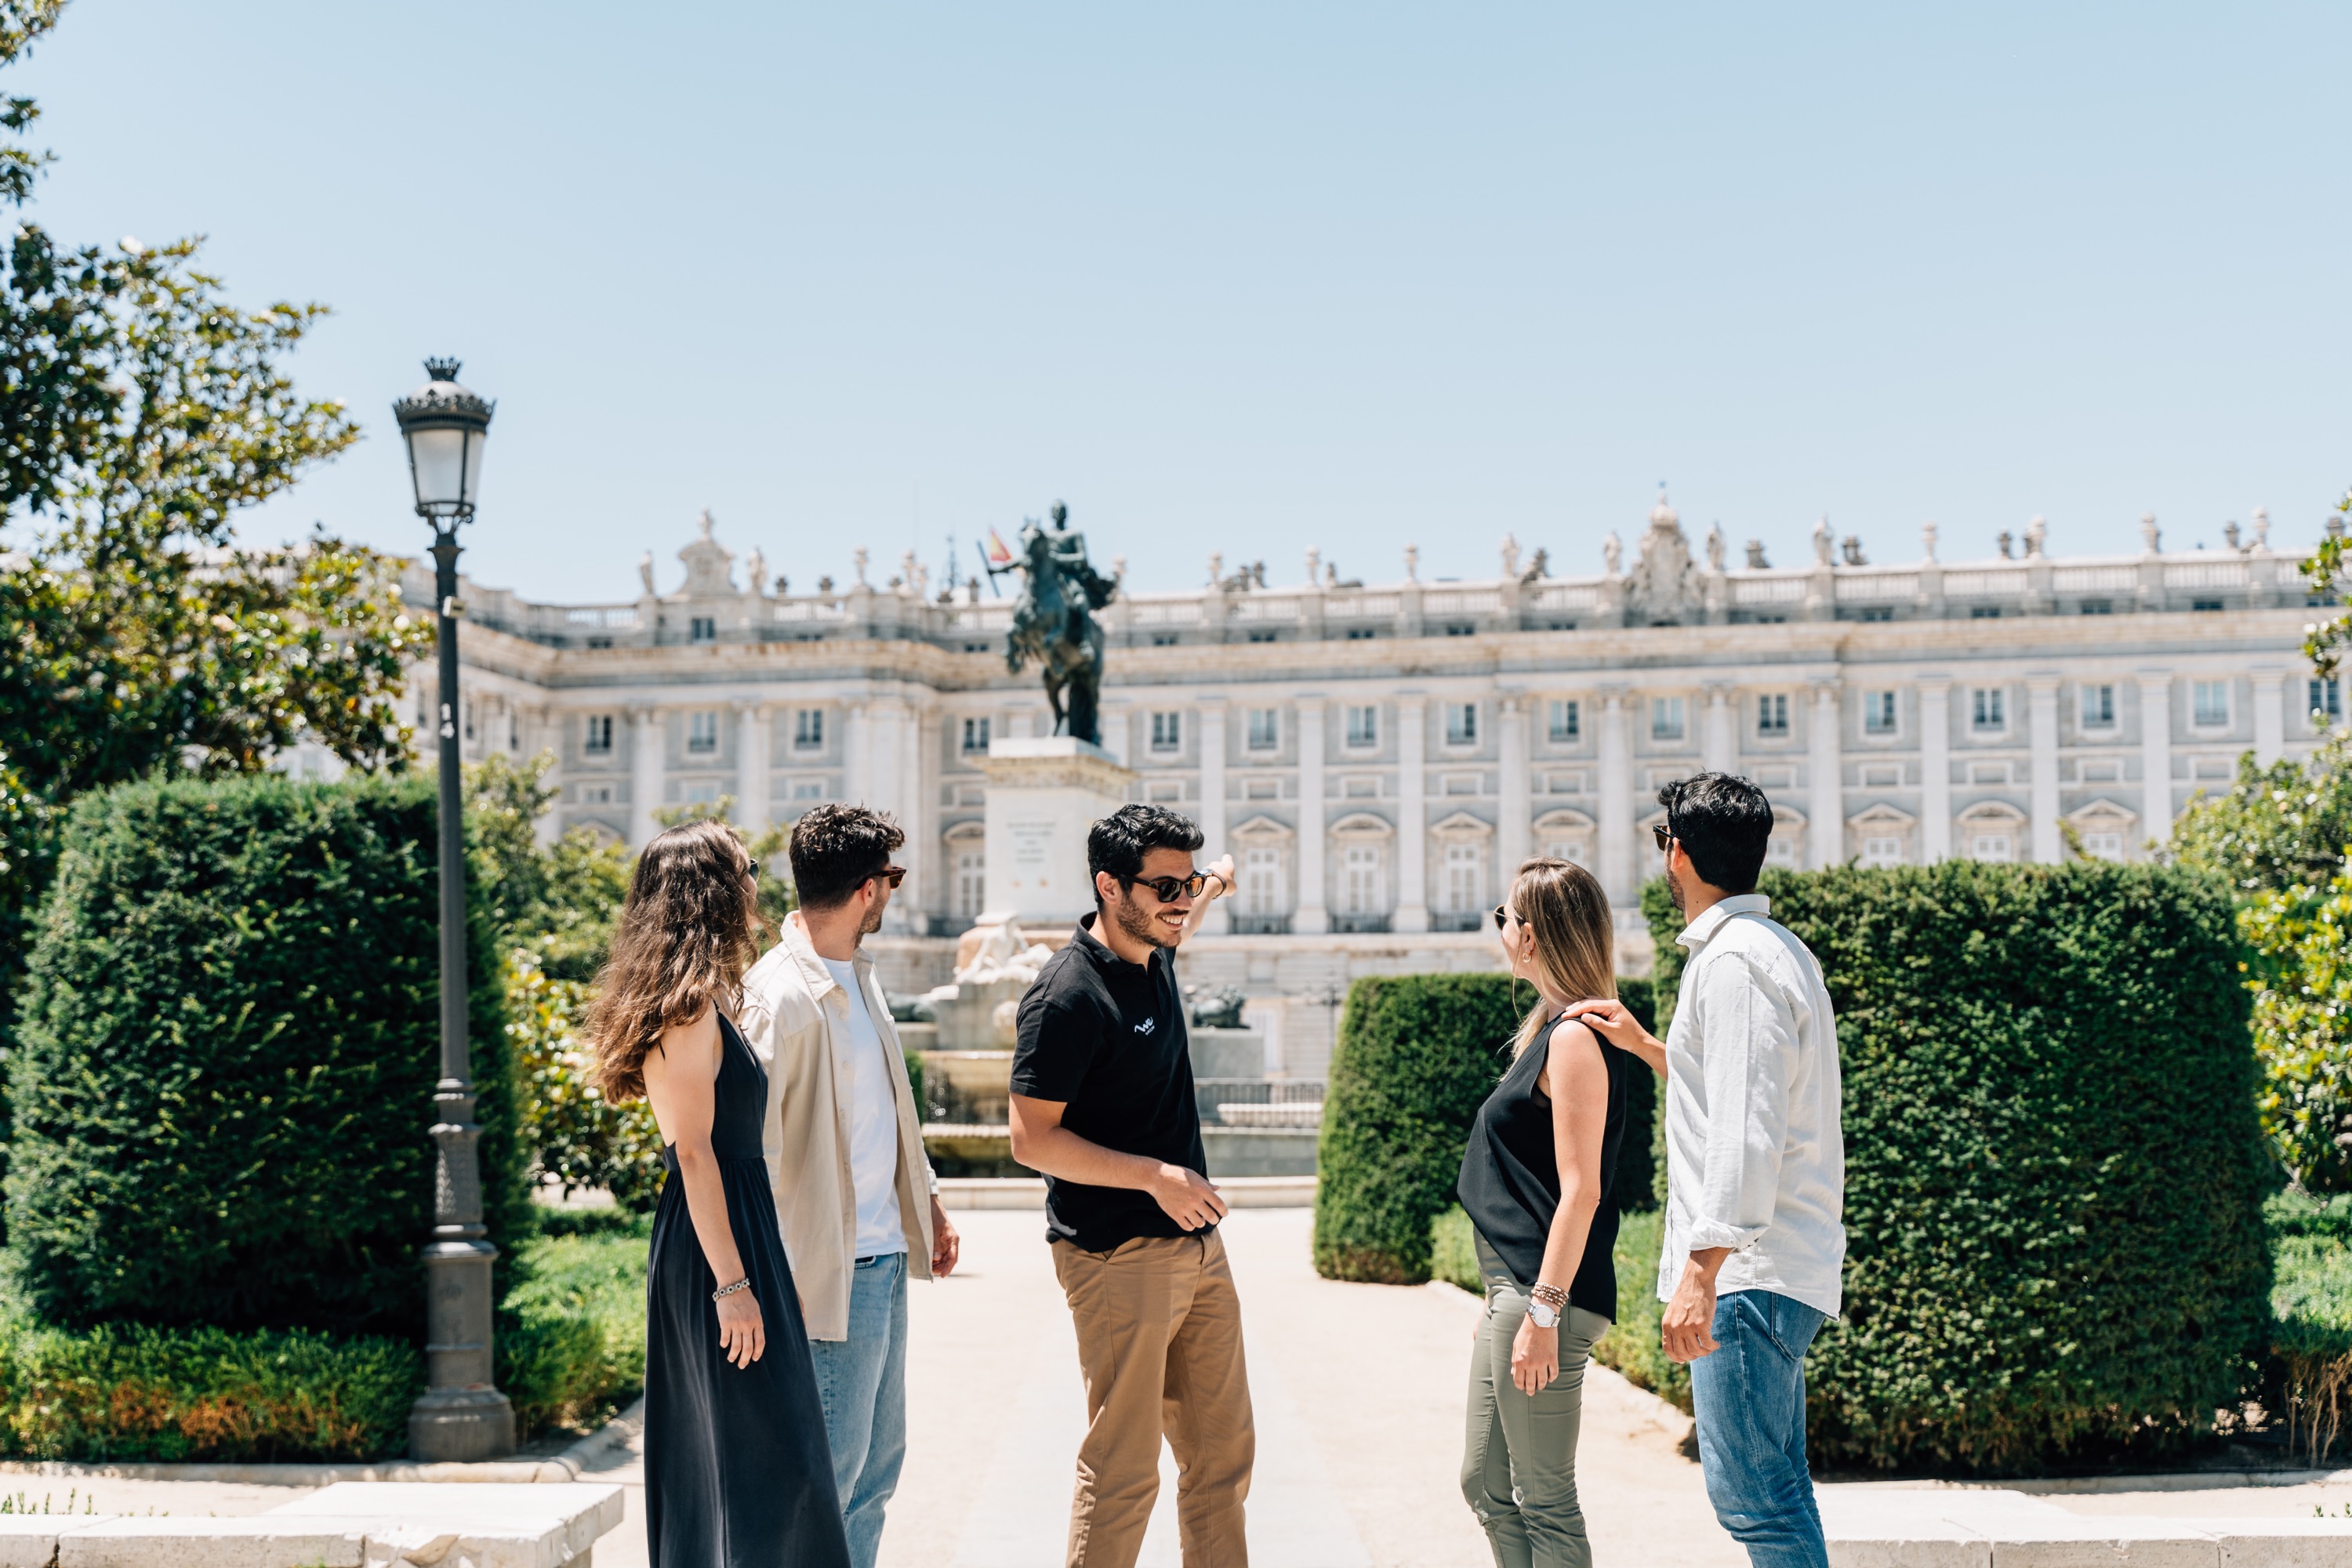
(1576, 944)
(686, 936)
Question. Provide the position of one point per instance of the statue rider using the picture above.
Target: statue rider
(1053, 622)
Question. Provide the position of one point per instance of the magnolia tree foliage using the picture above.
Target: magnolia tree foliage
(2280, 836)
(139, 411)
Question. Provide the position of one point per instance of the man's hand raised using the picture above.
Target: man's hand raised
(1187, 1196)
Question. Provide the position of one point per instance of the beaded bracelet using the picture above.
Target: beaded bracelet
(1551, 1296)
(726, 1290)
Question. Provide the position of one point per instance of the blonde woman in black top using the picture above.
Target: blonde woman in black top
(1535, 1181)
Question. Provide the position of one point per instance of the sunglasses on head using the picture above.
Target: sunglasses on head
(1167, 889)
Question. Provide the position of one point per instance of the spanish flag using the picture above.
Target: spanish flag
(999, 552)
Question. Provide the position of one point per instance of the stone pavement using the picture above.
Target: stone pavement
(1359, 1392)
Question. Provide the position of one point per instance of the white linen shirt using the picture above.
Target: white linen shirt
(1755, 1153)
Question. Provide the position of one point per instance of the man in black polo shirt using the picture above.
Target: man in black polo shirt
(1102, 1104)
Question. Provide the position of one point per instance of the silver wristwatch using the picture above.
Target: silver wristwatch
(1541, 1316)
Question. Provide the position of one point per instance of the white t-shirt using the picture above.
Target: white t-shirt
(873, 1127)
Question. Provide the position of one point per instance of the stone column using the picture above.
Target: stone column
(1312, 917)
(1825, 761)
(2270, 717)
(1413, 815)
(1934, 770)
(856, 749)
(1513, 830)
(1212, 807)
(920, 796)
(1618, 876)
(648, 762)
(544, 732)
(751, 765)
(2042, 734)
(2155, 756)
(1719, 749)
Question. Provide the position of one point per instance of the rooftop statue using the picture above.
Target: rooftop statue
(1053, 622)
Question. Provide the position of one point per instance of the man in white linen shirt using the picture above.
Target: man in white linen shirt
(1755, 1166)
(856, 1198)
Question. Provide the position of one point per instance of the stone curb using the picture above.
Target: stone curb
(596, 1449)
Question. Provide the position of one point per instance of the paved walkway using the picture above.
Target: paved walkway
(1359, 1392)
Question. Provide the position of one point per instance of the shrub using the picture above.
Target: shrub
(1454, 1251)
(1417, 1054)
(2311, 1250)
(572, 1344)
(576, 1136)
(1632, 1345)
(2302, 938)
(2053, 1172)
(2274, 826)
(132, 1392)
(227, 1046)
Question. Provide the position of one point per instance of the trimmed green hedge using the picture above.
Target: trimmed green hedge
(224, 1062)
(571, 1338)
(1417, 1054)
(2054, 1177)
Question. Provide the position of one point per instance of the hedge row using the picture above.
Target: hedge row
(224, 1062)
(2054, 1176)
(1416, 1056)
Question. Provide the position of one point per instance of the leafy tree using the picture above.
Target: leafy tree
(2275, 827)
(140, 411)
(2301, 936)
(559, 903)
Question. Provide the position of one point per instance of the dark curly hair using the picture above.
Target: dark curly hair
(836, 849)
(686, 936)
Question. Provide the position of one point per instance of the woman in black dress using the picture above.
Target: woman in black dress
(737, 1474)
(1536, 1182)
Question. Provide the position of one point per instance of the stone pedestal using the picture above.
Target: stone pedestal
(1044, 794)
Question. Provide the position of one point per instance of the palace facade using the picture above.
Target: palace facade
(1378, 758)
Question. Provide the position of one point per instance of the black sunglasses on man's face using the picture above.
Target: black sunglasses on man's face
(1167, 889)
(893, 875)
(1665, 838)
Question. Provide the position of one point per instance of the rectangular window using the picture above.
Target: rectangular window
(2098, 607)
(2212, 703)
(702, 731)
(1462, 867)
(1665, 717)
(975, 734)
(1989, 709)
(2104, 845)
(1262, 881)
(971, 881)
(1363, 726)
(596, 737)
(1264, 729)
(1462, 724)
(2327, 699)
(808, 730)
(702, 629)
(1773, 713)
(1167, 732)
(809, 789)
(1882, 851)
(1567, 722)
(1878, 712)
(1989, 847)
(469, 718)
(1984, 613)
(2098, 707)
(1363, 868)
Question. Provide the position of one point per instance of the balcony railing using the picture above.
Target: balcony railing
(1259, 1103)
(1457, 919)
(1261, 925)
(1360, 925)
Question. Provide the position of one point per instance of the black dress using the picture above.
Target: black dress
(738, 1473)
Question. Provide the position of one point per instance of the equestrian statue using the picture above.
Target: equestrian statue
(1053, 623)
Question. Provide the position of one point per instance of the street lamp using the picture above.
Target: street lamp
(461, 1414)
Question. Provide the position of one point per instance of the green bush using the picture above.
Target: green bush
(572, 1342)
(2054, 1176)
(130, 1393)
(1454, 1251)
(2311, 1300)
(2302, 969)
(1417, 1054)
(577, 1137)
(224, 1072)
(1632, 1345)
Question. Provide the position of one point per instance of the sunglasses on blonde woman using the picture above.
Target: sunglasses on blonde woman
(1503, 915)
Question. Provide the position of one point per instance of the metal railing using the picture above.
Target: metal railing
(1259, 1103)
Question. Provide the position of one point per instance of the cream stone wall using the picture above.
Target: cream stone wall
(1377, 759)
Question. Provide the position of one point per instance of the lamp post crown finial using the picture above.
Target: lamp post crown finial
(442, 369)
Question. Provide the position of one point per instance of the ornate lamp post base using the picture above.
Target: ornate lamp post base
(461, 1425)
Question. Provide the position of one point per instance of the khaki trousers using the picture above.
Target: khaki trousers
(1160, 1345)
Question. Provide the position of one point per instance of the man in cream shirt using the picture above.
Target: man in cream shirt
(855, 1195)
(1755, 1241)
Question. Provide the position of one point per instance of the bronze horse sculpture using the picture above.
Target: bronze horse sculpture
(1052, 622)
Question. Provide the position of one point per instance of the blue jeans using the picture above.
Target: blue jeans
(1749, 1397)
(862, 1381)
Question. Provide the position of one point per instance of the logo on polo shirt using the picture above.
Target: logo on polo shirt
(1146, 1027)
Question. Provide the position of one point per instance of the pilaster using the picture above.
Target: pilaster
(1935, 769)
(1413, 815)
(2042, 735)
(1312, 916)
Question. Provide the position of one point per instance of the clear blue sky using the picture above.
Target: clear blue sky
(1255, 278)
